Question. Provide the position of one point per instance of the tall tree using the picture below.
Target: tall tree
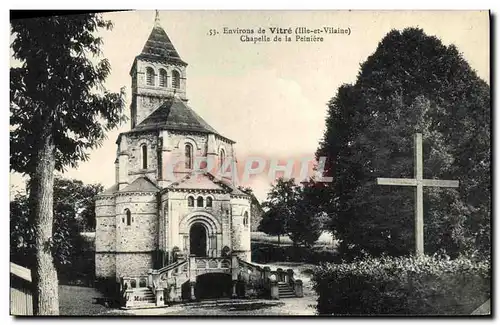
(308, 218)
(280, 202)
(293, 210)
(59, 110)
(411, 83)
(273, 223)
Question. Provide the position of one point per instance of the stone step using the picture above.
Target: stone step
(143, 305)
(285, 289)
(147, 297)
(144, 294)
(146, 289)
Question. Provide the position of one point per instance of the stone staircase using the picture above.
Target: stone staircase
(285, 291)
(143, 298)
(176, 282)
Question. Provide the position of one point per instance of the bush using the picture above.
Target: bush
(402, 286)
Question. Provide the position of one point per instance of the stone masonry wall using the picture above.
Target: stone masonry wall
(105, 264)
(135, 169)
(174, 153)
(141, 235)
(241, 232)
(144, 107)
(105, 237)
(128, 264)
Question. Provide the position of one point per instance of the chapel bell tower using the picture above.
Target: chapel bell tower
(157, 73)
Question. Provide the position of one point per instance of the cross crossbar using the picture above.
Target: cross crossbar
(418, 182)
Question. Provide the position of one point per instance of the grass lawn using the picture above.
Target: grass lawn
(326, 239)
(77, 301)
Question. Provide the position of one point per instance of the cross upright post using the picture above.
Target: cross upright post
(419, 196)
(418, 182)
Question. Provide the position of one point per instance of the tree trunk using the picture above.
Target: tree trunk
(44, 274)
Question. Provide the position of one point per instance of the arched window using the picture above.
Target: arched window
(188, 156)
(163, 78)
(176, 79)
(245, 219)
(199, 201)
(222, 159)
(150, 76)
(209, 202)
(190, 201)
(129, 217)
(144, 152)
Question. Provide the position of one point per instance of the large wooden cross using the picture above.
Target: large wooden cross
(419, 182)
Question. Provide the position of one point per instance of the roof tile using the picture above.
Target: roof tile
(141, 184)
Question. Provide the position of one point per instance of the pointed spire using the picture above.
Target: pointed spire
(157, 18)
(158, 46)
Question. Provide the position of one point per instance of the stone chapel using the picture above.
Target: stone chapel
(156, 214)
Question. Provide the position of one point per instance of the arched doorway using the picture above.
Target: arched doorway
(198, 240)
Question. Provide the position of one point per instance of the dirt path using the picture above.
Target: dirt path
(226, 307)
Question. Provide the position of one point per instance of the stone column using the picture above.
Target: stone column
(234, 294)
(129, 299)
(234, 272)
(234, 266)
(289, 273)
(166, 149)
(212, 155)
(298, 289)
(275, 293)
(159, 297)
(266, 271)
(192, 284)
(155, 278)
(122, 163)
(150, 278)
(192, 268)
(280, 275)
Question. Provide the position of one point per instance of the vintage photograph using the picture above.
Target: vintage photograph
(250, 163)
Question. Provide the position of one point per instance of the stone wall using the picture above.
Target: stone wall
(143, 94)
(105, 237)
(172, 153)
(129, 264)
(141, 235)
(134, 143)
(240, 231)
(105, 265)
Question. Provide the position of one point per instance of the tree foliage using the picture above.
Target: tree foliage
(291, 211)
(74, 212)
(60, 83)
(412, 83)
(59, 109)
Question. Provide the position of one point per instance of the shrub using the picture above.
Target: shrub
(402, 286)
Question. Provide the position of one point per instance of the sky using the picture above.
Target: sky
(268, 97)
